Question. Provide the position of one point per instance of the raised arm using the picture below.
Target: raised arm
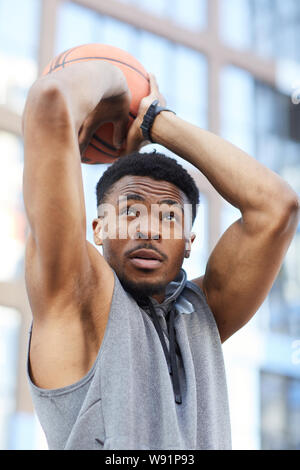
(62, 269)
(244, 264)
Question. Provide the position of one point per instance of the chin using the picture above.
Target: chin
(141, 289)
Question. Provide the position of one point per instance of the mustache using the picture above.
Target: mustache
(146, 246)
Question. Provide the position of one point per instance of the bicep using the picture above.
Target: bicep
(240, 273)
(53, 291)
(50, 284)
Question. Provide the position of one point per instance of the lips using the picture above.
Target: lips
(146, 254)
(146, 259)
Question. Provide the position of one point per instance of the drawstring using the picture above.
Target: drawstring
(170, 356)
(175, 374)
(160, 334)
(174, 348)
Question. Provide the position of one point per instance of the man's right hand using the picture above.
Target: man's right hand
(96, 93)
(110, 110)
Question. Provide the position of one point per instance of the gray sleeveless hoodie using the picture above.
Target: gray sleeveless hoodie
(158, 381)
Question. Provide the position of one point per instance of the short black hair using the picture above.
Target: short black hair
(154, 165)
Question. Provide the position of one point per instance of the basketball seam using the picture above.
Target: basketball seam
(102, 151)
(110, 147)
(99, 58)
(67, 53)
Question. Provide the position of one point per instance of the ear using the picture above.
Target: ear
(188, 244)
(97, 229)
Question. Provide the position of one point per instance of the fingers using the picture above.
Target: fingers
(122, 121)
(120, 132)
(84, 137)
(155, 89)
(134, 139)
(153, 83)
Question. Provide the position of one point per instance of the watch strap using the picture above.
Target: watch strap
(148, 121)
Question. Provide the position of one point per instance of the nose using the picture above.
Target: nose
(147, 228)
(145, 236)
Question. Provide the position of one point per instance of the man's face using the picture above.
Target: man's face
(143, 214)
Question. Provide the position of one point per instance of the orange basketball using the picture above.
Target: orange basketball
(101, 148)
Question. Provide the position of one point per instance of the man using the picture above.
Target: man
(125, 353)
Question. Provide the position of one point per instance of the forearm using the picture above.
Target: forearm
(55, 109)
(239, 178)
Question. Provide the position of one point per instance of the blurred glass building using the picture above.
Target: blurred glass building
(229, 66)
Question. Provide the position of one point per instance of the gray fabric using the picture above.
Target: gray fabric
(126, 400)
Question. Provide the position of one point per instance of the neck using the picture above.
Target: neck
(159, 298)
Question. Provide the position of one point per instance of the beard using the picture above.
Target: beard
(140, 291)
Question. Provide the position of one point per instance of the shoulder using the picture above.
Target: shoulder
(196, 286)
(195, 294)
(198, 282)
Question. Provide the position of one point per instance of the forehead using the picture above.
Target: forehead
(150, 189)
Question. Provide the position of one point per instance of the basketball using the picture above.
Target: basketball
(101, 148)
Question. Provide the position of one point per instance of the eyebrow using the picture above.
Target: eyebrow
(137, 197)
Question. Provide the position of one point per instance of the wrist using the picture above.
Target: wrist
(149, 117)
(162, 128)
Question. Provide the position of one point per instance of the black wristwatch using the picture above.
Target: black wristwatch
(153, 111)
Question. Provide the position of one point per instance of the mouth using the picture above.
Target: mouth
(146, 259)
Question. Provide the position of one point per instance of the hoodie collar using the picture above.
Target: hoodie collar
(175, 297)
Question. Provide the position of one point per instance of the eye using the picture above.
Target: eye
(130, 211)
(170, 216)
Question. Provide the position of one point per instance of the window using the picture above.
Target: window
(78, 25)
(13, 222)
(9, 346)
(190, 80)
(186, 92)
(18, 52)
(268, 27)
(157, 56)
(191, 14)
(238, 108)
(280, 412)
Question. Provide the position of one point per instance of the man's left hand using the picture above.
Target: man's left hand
(135, 139)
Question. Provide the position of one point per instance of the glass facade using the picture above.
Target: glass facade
(280, 412)
(13, 221)
(268, 27)
(19, 37)
(9, 347)
(264, 126)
